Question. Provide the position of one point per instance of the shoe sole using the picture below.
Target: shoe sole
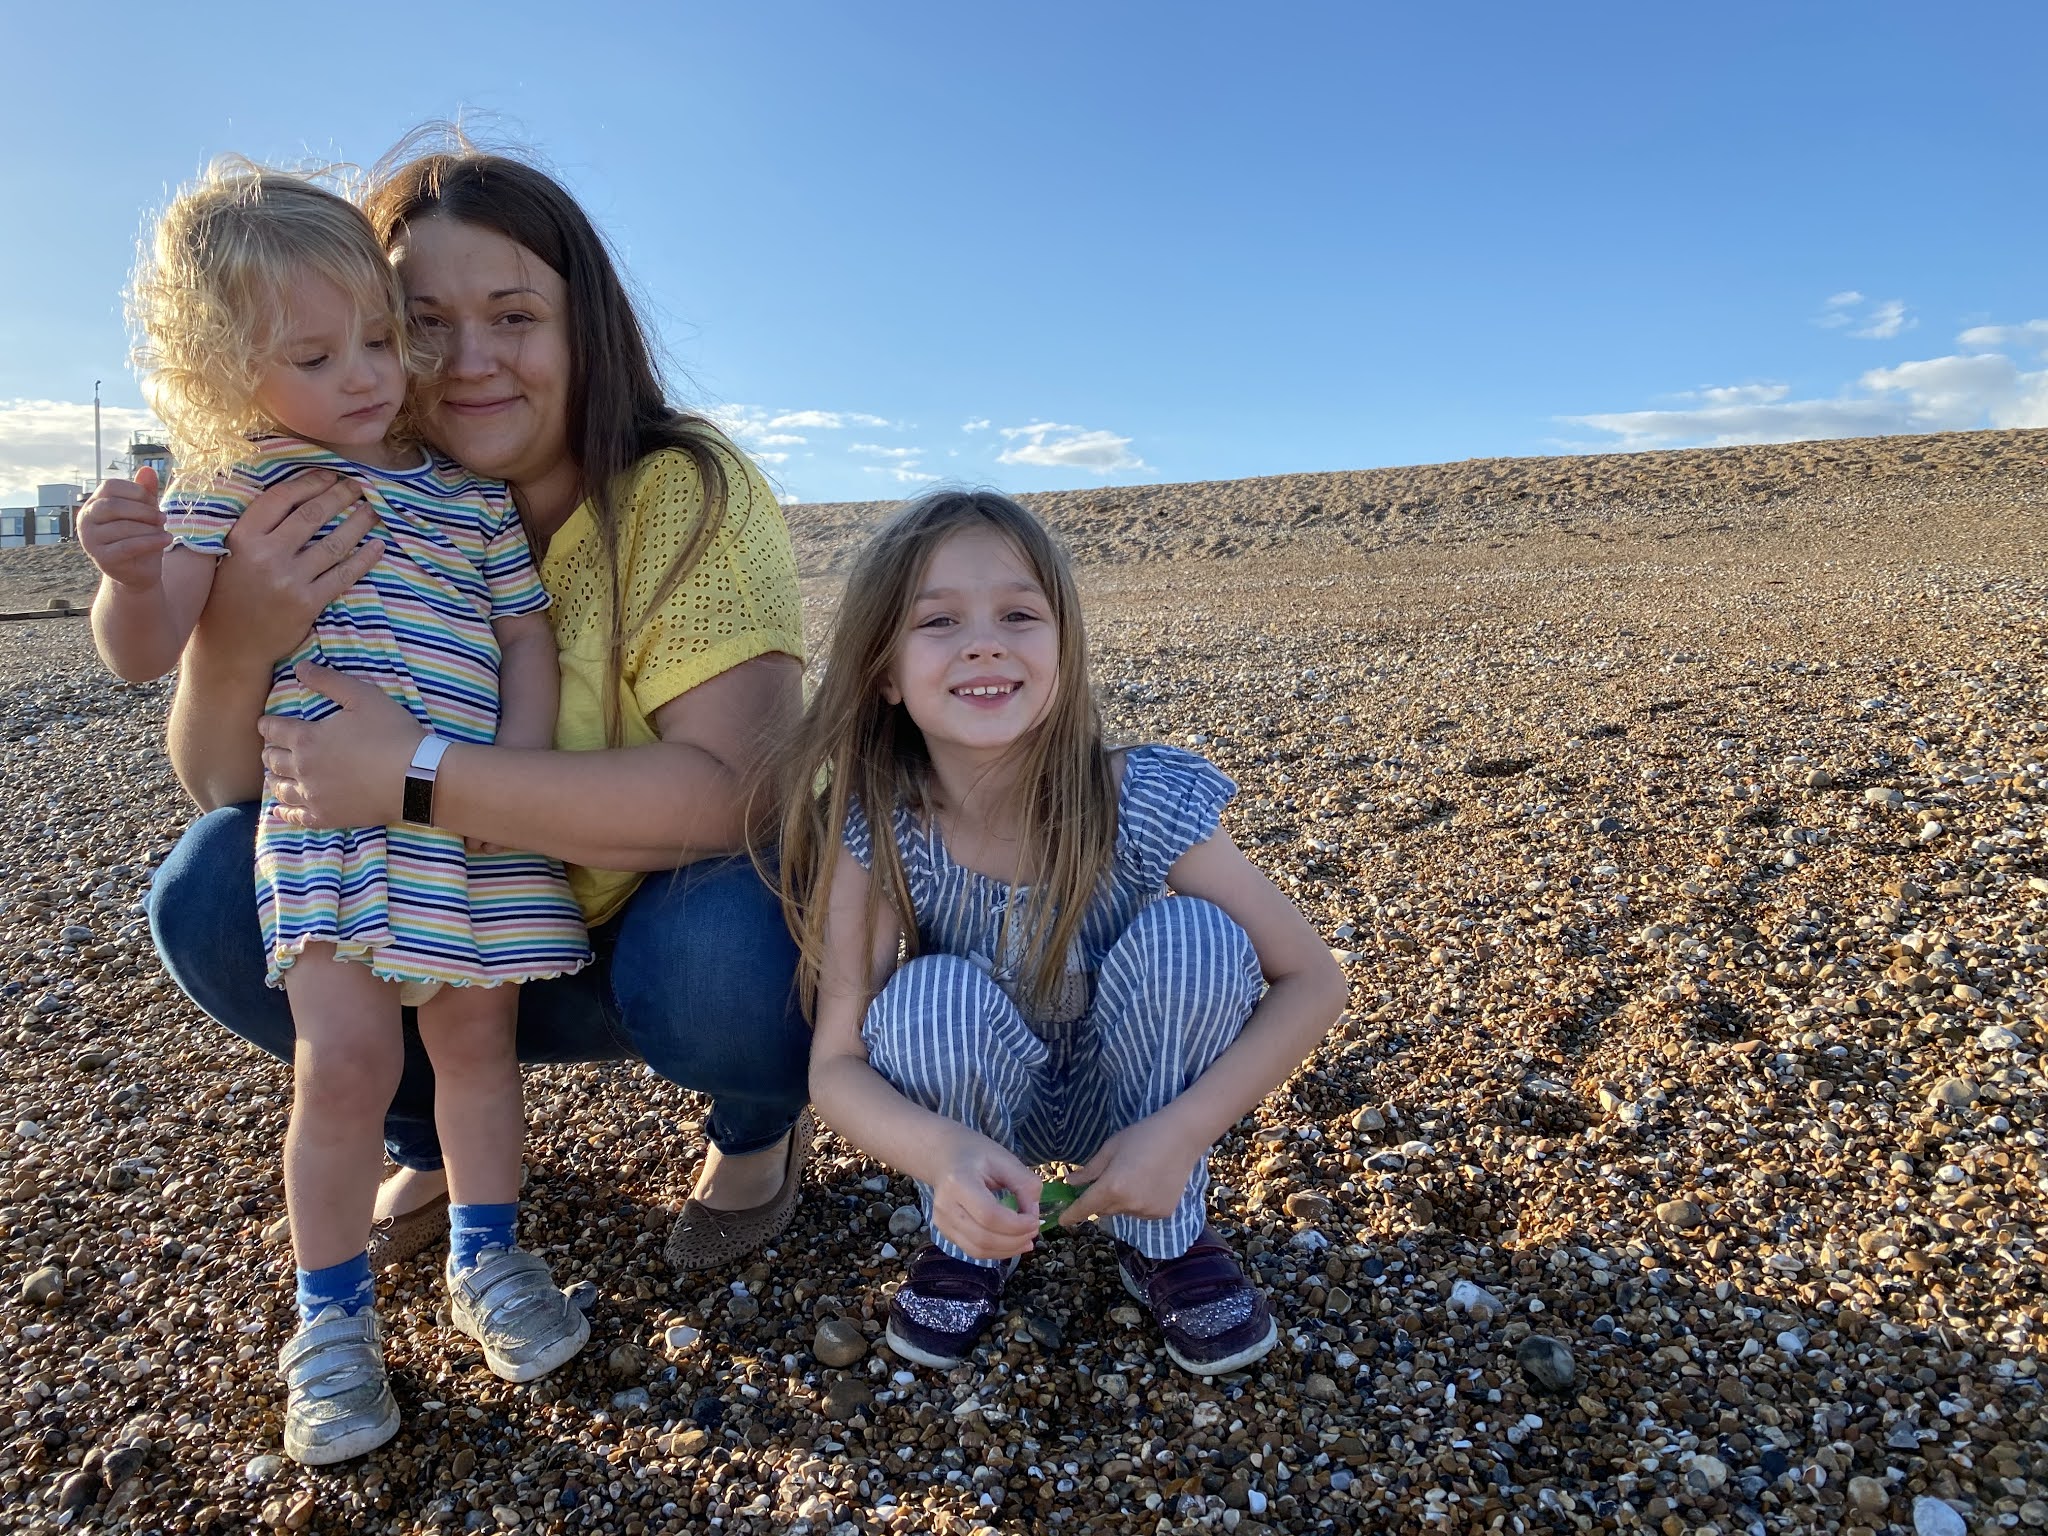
(570, 1346)
(361, 1443)
(1237, 1362)
(917, 1356)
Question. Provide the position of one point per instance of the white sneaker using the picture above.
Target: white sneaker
(338, 1399)
(509, 1303)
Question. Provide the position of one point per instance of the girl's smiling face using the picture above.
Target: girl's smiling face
(494, 318)
(977, 663)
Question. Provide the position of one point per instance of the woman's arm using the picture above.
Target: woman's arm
(1143, 1168)
(265, 596)
(961, 1166)
(652, 807)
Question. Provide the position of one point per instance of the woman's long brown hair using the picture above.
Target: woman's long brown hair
(853, 747)
(618, 413)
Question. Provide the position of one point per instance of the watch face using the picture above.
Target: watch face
(419, 800)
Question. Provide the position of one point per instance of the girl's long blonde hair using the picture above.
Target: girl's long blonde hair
(207, 300)
(855, 748)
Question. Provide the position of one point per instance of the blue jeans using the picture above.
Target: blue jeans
(694, 977)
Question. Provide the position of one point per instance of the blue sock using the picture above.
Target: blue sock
(473, 1228)
(346, 1285)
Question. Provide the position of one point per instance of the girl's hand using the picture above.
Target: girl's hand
(967, 1206)
(347, 770)
(122, 532)
(1142, 1170)
(280, 573)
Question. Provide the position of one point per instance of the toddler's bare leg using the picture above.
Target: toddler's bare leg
(469, 1035)
(345, 1068)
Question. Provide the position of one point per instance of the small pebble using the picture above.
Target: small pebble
(1546, 1363)
(838, 1342)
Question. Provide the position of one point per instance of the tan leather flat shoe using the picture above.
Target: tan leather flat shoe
(704, 1237)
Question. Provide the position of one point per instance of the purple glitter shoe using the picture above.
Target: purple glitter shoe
(1213, 1319)
(943, 1307)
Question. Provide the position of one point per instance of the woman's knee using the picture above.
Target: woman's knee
(704, 976)
(202, 901)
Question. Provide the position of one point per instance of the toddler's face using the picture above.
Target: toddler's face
(335, 378)
(977, 662)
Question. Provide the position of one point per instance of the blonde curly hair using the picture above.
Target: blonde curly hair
(207, 301)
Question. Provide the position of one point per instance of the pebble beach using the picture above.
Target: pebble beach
(1680, 1164)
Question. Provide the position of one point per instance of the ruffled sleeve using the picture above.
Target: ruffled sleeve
(912, 846)
(198, 517)
(509, 571)
(856, 835)
(1170, 801)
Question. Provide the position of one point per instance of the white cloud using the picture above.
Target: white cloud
(2034, 333)
(1885, 321)
(1937, 394)
(903, 474)
(769, 458)
(754, 424)
(1740, 394)
(886, 453)
(1878, 322)
(50, 441)
(829, 421)
(979, 424)
(1051, 445)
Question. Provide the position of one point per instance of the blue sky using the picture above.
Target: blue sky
(1093, 243)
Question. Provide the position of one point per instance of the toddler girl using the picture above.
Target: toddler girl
(273, 328)
(1096, 974)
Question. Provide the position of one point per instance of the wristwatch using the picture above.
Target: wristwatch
(419, 780)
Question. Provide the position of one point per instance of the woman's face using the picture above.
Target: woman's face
(496, 318)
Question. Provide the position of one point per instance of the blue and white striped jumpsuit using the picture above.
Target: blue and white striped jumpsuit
(1158, 987)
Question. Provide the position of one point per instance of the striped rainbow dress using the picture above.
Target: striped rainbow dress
(410, 902)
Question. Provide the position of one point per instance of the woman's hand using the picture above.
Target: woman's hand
(1142, 1171)
(347, 770)
(280, 573)
(966, 1206)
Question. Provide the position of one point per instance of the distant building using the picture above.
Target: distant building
(149, 450)
(54, 516)
(47, 522)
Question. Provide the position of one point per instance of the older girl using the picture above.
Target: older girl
(1097, 975)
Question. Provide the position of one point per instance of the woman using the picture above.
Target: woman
(677, 616)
